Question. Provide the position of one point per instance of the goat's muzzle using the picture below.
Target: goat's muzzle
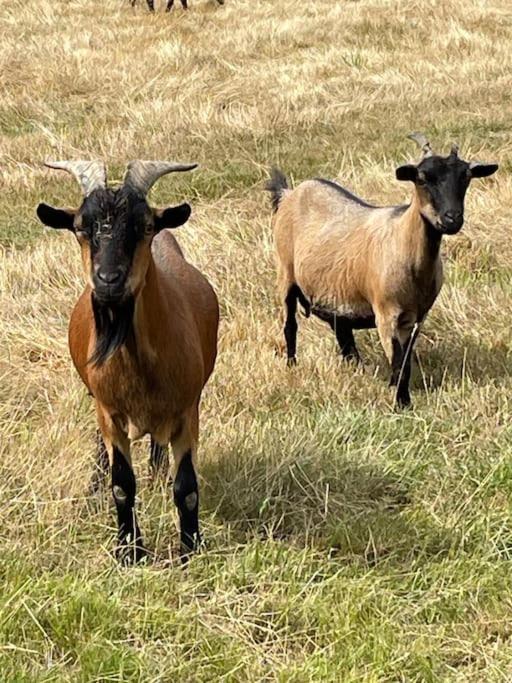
(451, 222)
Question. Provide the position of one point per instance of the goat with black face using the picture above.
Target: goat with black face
(143, 334)
(355, 265)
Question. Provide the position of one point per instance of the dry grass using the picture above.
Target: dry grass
(346, 542)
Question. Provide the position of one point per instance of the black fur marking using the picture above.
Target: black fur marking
(61, 219)
(131, 547)
(275, 185)
(433, 238)
(186, 499)
(114, 325)
(290, 327)
(346, 193)
(400, 209)
(304, 302)
(355, 323)
(401, 364)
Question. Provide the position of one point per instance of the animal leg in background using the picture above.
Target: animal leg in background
(158, 460)
(101, 466)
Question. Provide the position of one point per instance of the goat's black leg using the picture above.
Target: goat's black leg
(170, 3)
(101, 466)
(130, 545)
(345, 338)
(186, 499)
(185, 487)
(158, 460)
(290, 327)
(151, 5)
(343, 331)
(401, 371)
(184, 4)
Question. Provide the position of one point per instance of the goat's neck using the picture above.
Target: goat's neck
(148, 316)
(420, 240)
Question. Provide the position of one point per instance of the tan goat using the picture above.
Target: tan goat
(355, 265)
(143, 334)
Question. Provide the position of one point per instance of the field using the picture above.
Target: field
(345, 541)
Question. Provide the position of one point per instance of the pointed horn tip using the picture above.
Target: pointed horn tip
(184, 167)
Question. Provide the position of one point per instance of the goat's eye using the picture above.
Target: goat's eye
(421, 180)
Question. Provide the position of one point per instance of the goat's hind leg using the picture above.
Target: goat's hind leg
(344, 336)
(158, 460)
(185, 487)
(290, 325)
(101, 466)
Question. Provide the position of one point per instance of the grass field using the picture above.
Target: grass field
(346, 542)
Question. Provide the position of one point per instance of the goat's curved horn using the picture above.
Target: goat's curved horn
(422, 141)
(454, 150)
(142, 175)
(92, 175)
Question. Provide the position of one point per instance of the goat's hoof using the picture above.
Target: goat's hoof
(128, 554)
(291, 362)
(190, 545)
(403, 403)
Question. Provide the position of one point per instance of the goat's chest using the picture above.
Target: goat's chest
(141, 400)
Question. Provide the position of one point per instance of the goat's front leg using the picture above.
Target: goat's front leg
(184, 4)
(130, 547)
(151, 5)
(170, 3)
(185, 488)
(395, 332)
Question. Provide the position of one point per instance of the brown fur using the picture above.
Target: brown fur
(153, 383)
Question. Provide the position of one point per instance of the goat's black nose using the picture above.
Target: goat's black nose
(109, 277)
(453, 216)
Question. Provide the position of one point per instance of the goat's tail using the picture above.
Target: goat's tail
(275, 185)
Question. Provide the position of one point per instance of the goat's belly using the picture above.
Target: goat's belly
(358, 316)
(160, 428)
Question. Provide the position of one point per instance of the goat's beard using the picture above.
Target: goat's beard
(114, 325)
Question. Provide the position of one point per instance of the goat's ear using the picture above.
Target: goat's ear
(479, 170)
(407, 172)
(62, 219)
(172, 216)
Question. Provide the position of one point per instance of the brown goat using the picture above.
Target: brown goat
(357, 266)
(143, 334)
